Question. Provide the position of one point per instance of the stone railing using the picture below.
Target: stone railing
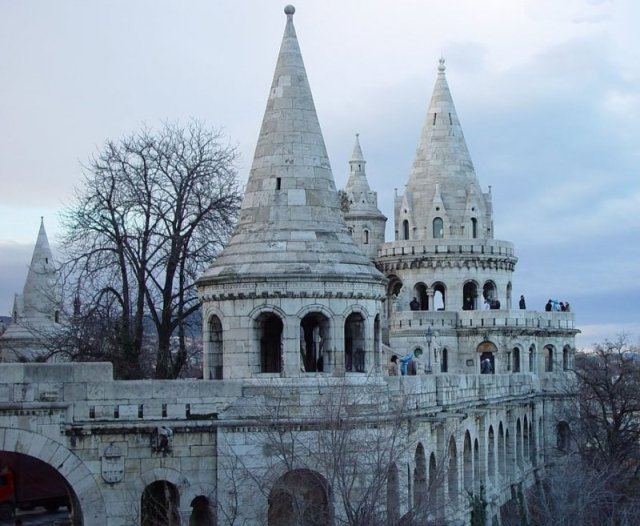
(86, 394)
(488, 247)
(412, 320)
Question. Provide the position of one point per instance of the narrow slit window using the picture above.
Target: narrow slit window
(434, 118)
(278, 183)
(450, 120)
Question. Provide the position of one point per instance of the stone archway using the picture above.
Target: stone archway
(300, 496)
(89, 507)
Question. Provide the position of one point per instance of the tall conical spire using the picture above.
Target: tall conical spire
(290, 221)
(39, 295)
(442, 159)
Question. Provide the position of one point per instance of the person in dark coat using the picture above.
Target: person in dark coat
(523, 304)
(549, 306)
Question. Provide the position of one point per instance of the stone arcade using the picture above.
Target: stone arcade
(305, 306)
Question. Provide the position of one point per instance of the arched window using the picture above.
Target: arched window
(314, 339)
(354, 343)
(269, 327)
(420, 293)
(566, 358)
(548, 359)
(439, 296)
(487, 351)
(490, 295)
(300, 496)
(366, 237)
(502, 464)
(201, 513)
(444, 361)
(160, 504)
(469, 294)
(214, 361)
(532, 359)
(474, 227)
(405, 229)
(438, 228)
(516, 359)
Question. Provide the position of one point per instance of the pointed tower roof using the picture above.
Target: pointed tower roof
(361, 197)
(290, 221)
(38, 295)
(442, 159)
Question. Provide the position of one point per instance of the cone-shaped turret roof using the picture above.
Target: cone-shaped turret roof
(290, 221)
(39, 293)
(442, 161)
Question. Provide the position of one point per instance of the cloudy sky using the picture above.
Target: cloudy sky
(548, 94)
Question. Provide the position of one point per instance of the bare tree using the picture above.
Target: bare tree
(350, 454)
(155, 209)
(591, 477)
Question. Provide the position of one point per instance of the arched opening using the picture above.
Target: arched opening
(519, 456)
(377, 335)
(467, 463)
(563, 435)
(420, 293)
(525, 439)
(469, 295)
(269, 327)
(300, 496)
(436, 486)
(532, 358)
(509, 295)
(476, 463)
(511, 454)
(474, 227)
(393, 494)
(438, 228)
(354, 343)
(214, 354)
(160, 504)
(27, 482)
(444, 360)
(314, 339)
(365, 236)
(566, 358)
(420, 480)
(452, 472)
(539, 442)
(405, 229)
(439, 296)
(393, 291)
(502, 464)
(202, 513)
(491, 455)
(532, 444)
(515, 355)
(487, 351)
(548, 358)
(490, 295)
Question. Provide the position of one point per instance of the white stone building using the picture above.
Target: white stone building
(297, 419)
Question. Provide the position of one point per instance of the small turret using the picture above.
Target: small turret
(363, 217)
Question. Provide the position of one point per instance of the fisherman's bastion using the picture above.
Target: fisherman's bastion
(301, 416)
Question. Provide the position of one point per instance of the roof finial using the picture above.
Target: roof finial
(441, 66)
(289, 10)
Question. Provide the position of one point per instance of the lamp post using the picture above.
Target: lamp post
(429, 336)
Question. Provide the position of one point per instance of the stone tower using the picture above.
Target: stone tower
(36, 313)
(363, 217)
(291, 292)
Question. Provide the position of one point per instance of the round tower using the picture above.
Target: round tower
(290, 294)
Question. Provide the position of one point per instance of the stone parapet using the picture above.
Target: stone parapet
(457, 247)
